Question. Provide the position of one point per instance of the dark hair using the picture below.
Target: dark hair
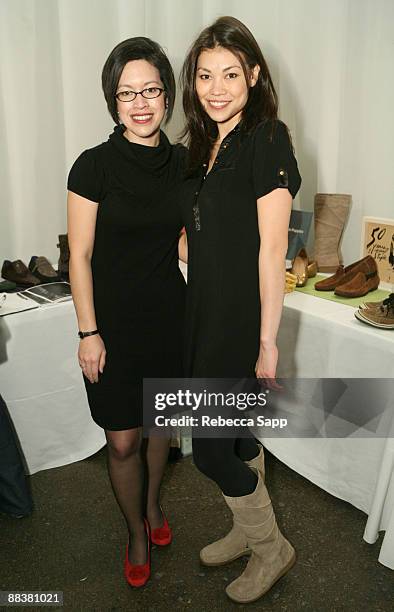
(135, 49)
(262, 103)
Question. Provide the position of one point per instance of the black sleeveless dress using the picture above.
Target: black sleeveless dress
(139, 290)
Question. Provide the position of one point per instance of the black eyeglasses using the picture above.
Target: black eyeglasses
(149, 94)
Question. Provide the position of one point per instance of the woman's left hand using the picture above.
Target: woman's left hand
(182, 246)
(266, 366)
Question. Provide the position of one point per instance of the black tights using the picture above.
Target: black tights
(126, 471)
(222, 460)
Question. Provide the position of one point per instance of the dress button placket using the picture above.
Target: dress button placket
(196, 208)
(196, 214)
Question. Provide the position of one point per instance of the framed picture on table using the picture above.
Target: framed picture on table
(378, 241)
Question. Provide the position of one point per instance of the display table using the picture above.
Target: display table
(323, 339)
(41, 383)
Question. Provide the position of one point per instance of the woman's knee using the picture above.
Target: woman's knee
(123, 444)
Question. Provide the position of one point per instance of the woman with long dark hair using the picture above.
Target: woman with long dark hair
(237, 200)
(123, 229)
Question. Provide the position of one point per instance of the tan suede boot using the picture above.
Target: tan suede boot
(331, 213)
(234, 544)
(272, 555)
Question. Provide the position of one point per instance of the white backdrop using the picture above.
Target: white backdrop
(331, 63)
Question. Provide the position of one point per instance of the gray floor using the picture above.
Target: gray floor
(75, 540)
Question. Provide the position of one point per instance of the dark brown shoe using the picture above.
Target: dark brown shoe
(64, 256)
(42, 269)
(360, 285)
(344, 275)
(18, 272)
(329, 284)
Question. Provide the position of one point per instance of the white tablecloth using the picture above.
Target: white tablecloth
(41, 383)
(322, 339)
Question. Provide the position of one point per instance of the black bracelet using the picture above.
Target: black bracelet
(83, 335)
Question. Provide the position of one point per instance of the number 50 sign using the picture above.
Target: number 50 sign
(378, 241)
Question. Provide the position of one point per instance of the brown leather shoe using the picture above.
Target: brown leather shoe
(17, 272)
(361, 284)
(42, 269)
(344, 275)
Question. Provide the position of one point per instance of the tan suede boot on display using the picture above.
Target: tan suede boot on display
(331, 213)
(234, 544)
(272, 555)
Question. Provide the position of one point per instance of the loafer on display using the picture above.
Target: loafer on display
(17, 272)
(360, 285)
(367, 265)
(42, 269)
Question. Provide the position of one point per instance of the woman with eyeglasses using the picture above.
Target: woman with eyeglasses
(236, 205)
(123, 230)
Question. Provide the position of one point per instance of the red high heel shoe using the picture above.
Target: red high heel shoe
(161, 536)
(138, 575)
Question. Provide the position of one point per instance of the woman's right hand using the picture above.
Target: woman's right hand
(91, 357)
(266, 365)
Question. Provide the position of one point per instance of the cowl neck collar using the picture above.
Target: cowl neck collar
(151, 159)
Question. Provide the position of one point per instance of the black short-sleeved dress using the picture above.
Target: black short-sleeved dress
(139, 291)
(220, 214)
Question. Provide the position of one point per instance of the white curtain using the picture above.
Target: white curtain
(331, 62)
